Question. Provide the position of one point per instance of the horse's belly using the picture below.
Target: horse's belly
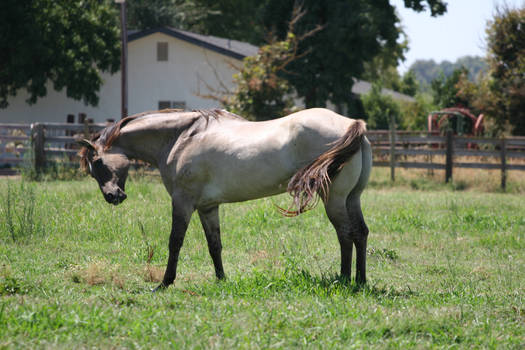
(241, 186)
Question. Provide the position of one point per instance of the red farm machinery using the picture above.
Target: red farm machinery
(460, 120)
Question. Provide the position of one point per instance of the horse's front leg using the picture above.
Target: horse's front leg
(181, 214)
(210, 224)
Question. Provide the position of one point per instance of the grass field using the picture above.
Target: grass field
(446, 270)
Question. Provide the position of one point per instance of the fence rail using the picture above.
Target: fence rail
(40, 143)
(421, 150)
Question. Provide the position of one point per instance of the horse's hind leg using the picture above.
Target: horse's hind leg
(343, 208)
(355, 214)
(347, 219)
(359, 233)
(336, 210)
(337, 213)
(210, 224)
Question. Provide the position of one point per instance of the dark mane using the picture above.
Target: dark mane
(107, 136)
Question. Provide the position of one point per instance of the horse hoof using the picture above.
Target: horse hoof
(360, 281)
(159, 288)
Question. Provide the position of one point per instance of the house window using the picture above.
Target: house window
(178, 104)
(164, 105)
(162, 51)
(172, 104)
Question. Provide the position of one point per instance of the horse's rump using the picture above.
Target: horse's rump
(315, 178)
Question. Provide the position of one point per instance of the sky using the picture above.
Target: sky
(459, 32)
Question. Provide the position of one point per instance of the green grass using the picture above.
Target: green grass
(446, 270)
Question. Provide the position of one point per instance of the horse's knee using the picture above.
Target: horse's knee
(345, 239)
(360, 233)
(364, 229)
(175, 243)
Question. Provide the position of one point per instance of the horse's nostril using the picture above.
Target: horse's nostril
(110, 197)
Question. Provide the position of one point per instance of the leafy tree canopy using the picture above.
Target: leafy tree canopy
(506, 57)
(391, 79)
(436, 7)
(355, 32)
(500, 93)
(149, 14)
(445, 90)
(62, 41)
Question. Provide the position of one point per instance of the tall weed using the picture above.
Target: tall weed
(18, 212)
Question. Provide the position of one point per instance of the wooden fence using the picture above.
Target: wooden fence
(38, 144)
(421, 150)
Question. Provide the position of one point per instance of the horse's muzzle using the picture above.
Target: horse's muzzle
(115, 198)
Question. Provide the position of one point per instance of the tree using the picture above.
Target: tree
(232, 19)
(389, 78)
(354, 32)
(436, 7)
(409, 85)
(506, 57)
(445, 90)
(63, 42)
(336, 55)
(149, 14)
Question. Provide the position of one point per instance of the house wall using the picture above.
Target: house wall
(181, 78)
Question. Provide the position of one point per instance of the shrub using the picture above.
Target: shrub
(379, 108)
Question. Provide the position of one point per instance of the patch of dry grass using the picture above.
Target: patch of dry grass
(153, 273)
(99, 273)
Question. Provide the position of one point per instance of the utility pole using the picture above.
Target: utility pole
(123, 60)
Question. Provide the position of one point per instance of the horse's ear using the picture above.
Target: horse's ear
(86, 143)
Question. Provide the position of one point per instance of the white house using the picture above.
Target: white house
(166, 68)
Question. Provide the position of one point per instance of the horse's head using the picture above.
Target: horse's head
(109, 167)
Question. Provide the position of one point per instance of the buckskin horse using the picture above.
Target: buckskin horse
(209, 157)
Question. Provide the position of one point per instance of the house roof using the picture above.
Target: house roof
(232, 48)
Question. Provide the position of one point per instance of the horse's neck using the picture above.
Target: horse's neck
(148, 140)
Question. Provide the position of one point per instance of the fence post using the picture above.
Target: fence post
(503, 152)
(38, 141)
(392, 147)
(449, 155)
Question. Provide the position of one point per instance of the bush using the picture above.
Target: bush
(379, 108)
(414, 114)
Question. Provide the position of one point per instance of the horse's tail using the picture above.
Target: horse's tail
(317, 176)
